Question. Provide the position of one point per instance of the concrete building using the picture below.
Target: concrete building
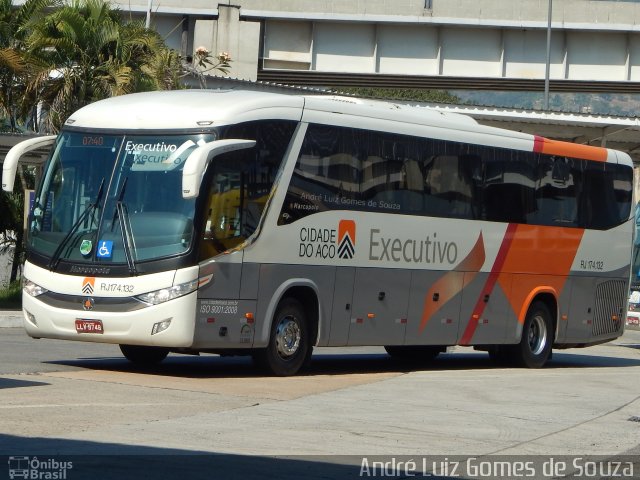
(493, 44)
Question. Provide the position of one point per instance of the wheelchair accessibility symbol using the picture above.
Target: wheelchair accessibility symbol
(105, 248)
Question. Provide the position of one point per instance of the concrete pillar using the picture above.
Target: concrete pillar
(230, 34)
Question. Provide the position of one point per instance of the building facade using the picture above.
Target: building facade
(592, 42)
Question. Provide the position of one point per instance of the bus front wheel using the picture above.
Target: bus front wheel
(534, 348)
(289, 345)
(144, 355)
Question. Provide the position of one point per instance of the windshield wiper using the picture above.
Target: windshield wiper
(122, 214)
(55, 258)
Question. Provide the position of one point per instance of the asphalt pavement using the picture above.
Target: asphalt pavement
(219, 417)
(10, 318)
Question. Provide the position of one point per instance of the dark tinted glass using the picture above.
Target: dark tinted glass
(240, 183)
(343, 169)
(508, 185)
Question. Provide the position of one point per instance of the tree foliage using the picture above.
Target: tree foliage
(11, 222)
(17, 65)
(91, 54)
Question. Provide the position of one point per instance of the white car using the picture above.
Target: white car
(633, 312)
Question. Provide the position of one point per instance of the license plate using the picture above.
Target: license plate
(89, 326)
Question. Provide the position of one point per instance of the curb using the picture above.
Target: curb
(10, 319)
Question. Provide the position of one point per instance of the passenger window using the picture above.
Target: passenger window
(509, 186)
(351, 169)
(450, 189)
(327, 173)
(556, 186)
(605, 200)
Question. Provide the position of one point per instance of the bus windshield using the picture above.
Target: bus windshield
(114, 199)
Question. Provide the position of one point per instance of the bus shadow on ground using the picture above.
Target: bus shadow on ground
(33, 457)
(13, 383)
(209, 366)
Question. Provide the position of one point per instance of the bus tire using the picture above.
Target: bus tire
(289, 347)
(536, 343)
(413, 353)
(144, 355)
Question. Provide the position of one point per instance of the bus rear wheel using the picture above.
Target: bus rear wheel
(536, 343)
(144, 355)
(289, 347)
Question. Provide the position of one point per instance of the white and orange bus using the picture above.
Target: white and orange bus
(238, 222)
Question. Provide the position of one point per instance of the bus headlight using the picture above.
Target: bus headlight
(166, 294)
(33, 289)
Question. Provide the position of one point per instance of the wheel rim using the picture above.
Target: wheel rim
(288, 336)
(537, 334)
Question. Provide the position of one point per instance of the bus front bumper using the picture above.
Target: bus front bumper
(169, 324)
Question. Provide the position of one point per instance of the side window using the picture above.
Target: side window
(351, 169)
(605, 200)
(623, 191)
(327, 173)
(240, 183)
(509, 185)
(558, 181)
(451, 176)
(392, 179)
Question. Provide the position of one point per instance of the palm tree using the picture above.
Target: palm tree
(15, 63)
(162, 72)
(92, 54)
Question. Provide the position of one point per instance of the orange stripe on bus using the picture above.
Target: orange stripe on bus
(567, 149)
(498, 267)
(538, 256)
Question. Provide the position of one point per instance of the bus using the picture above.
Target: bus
(264, 224)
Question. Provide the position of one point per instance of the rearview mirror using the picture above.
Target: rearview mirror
(199, 159)
(10, 165)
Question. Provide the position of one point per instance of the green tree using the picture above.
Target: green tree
(16, 65)
(91, 53)
(415, 94)
(11, 228)
(11, 221)
(162, 72)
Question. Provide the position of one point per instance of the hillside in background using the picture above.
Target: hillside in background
(601, 103)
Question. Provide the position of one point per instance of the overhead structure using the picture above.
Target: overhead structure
(590, 46)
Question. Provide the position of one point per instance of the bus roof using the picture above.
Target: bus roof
(189, 110)
(184, 110)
